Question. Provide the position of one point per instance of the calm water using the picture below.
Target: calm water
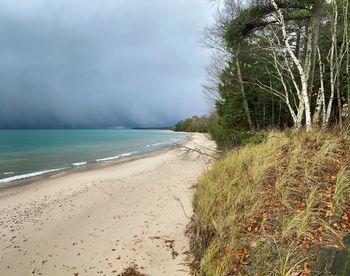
(25, 153)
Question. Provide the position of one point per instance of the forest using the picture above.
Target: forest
(277, 64)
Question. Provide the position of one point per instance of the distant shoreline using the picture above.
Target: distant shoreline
(153, 128)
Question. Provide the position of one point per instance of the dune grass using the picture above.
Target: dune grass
(268, 209)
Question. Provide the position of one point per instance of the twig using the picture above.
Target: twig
(183, 208)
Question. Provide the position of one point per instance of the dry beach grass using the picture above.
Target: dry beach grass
(271, 208)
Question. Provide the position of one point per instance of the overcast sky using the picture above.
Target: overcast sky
(101, 63)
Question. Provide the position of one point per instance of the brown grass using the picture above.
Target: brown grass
(268, 209)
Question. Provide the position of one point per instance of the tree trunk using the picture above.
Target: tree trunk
(332, 65)
(264, 114)
(339, 104)
(297, 46)
(315, 21)
(318, 108)
(320, 105)
(300, 114)
(279, 115)
(272, 111)
(240, 80)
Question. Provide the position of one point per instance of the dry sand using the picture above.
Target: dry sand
(101, 221)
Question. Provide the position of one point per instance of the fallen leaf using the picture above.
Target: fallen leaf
(307, 271)
(245, 253)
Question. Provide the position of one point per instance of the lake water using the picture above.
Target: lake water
(25, 152)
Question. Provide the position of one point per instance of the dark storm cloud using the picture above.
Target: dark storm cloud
(88, 63)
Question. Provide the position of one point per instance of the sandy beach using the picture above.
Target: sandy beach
(103, 220)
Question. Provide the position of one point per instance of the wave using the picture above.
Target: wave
(116, 157)
(169, 142)
(26, 175)
(79, 164)
(7, 173)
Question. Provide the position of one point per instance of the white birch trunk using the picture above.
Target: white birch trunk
(291, 111)
(320, 104)
(303, 76)
(300, 113)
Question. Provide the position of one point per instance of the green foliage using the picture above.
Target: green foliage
(299, 14)
(225, 138)
(253, 18)
(194, 124)
(255, 138)
(229, 138)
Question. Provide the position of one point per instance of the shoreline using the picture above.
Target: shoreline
(21, 184)
(105, 219)
(90, 165)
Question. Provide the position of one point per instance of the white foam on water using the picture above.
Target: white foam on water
(170, 142)
(79, 164)
(128, 154)
(7, 173)
(116, 157)
(26, 175)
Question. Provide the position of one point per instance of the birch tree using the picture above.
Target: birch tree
(304, 100)
(320, 102)
(283, 73)
(335, 59)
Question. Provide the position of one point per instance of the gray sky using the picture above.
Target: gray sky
(98, 63)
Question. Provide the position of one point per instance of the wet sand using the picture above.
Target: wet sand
(103, 220)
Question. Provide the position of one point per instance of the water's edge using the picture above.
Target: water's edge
(84, 166)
